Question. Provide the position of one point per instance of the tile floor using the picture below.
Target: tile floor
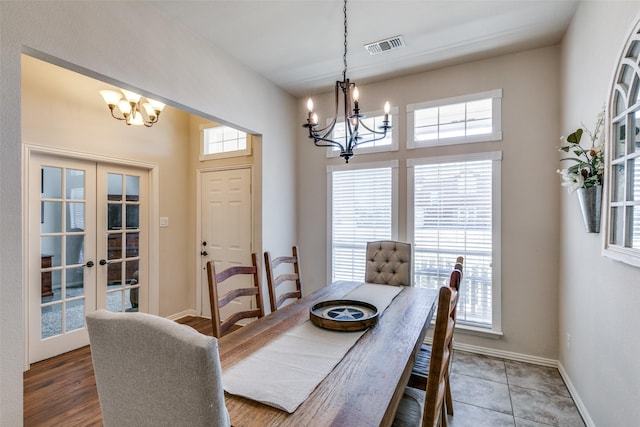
(493, 392)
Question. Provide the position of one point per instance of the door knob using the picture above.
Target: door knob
(89, 264)
(204, 253)
(103, 262)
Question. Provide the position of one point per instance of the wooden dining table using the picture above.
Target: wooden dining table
(364, 389)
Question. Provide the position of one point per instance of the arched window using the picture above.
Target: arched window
(622, 239)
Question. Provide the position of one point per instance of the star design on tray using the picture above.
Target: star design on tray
(345, 313)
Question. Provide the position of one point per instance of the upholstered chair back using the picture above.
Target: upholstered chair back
(151, 371)
(388, 263)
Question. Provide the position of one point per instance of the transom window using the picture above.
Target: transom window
(223, 141)
(623, 205)
(469, 118)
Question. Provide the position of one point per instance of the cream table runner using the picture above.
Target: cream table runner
(287, 370)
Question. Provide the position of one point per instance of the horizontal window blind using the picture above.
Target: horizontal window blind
(453, 217)
(362, 209)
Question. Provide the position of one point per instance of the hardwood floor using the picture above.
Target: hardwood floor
(61, 391)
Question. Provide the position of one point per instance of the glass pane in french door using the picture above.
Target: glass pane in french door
(123, 236)
(62, 240)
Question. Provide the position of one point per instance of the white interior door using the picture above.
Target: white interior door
(226, 231)
(88, 248)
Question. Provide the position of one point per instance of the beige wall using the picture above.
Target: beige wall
(599, 297)
(530, 118)
(94, 38)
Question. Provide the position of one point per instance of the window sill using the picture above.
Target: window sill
(227, 155)
(472, 330)
(625, 255)
(480, 332)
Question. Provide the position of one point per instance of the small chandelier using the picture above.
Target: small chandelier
(352, 117)
(131, 107)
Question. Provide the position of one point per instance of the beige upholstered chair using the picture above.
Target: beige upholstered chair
(420, 370)
(420, 408)
(388, 263)
(220, 327)
(151, 371)
(288, 278)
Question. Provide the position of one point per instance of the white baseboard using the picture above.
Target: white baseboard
(576, 397)
(519, 357)
(536, 361)
(182, 314)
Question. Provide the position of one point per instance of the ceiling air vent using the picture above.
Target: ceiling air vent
(384, 45)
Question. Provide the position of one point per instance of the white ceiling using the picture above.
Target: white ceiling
(298, 44)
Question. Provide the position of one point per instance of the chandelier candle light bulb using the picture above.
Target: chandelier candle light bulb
(311, 113)
(356, 95)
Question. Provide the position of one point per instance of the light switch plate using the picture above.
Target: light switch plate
(164, 221)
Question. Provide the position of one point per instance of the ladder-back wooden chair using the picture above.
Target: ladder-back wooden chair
(289, 278)
(420, 370)
(220, 327)
(420, 408)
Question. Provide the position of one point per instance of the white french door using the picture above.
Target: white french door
(226, 232)
(122, 238)
(87, 248)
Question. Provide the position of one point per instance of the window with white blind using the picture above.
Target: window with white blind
(467, 118)
(455, 201)
(362, 208)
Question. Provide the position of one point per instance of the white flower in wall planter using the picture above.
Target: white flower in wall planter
(585, 176)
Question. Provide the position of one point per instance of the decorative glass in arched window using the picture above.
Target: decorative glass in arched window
(622, 240)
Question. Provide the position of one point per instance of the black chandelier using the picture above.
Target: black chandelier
(352, 117)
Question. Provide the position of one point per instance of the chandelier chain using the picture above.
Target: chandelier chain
(344, 57)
